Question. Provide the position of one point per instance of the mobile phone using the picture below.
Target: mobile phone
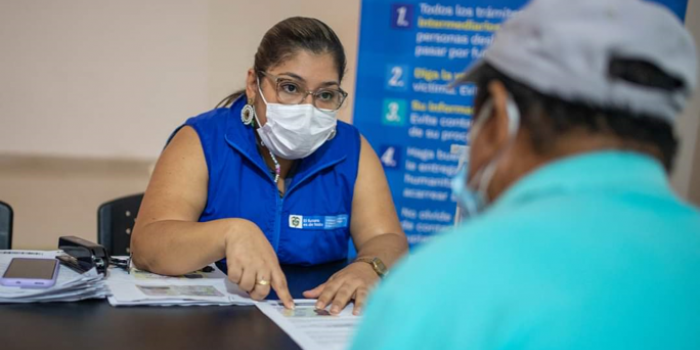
(31, 273)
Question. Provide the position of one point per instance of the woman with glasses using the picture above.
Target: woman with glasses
(272, 177)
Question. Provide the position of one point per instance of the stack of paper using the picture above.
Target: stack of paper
(195, 289)
(70, 285)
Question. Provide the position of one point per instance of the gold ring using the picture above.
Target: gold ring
(263, 282)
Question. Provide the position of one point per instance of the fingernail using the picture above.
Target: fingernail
(319, 306)
(335, 310)
(357, 312)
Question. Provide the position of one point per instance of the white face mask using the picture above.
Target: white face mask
(295, 131)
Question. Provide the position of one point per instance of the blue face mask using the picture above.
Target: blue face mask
(471, 193)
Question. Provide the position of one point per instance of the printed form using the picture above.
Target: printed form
(313, 329)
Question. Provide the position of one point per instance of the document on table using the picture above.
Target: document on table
(313, 329)
(194, 289)
(70, 285)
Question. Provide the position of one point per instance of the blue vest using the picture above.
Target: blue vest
(310, 224)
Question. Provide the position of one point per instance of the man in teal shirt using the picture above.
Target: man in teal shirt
(574, 238)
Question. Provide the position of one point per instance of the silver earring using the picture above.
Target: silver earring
(247, 114)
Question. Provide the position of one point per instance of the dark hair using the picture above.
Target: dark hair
(289, 36)
(548, 118)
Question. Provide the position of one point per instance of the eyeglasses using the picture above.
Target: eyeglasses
(292, 91)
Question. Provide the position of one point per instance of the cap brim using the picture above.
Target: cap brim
(470, 75)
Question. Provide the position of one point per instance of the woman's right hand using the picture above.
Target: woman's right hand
(252, 263)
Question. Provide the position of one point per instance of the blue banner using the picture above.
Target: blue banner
(409, 52)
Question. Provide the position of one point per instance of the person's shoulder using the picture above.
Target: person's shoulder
(432, 260)
(673, 205)
(347, 131)
(420, 287)
(214, 117)
(460, 251)
(346, 141)
(345, 125)
(211, 125)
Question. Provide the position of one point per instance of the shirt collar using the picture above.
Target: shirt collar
(591, 172)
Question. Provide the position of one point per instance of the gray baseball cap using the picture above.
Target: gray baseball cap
(564, 49)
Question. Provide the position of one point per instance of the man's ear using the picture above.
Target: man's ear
(251, 86)
(495, 129)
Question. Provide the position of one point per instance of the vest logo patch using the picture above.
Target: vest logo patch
(318, 222)
(295, 221)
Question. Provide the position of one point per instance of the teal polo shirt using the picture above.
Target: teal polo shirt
(590, 252)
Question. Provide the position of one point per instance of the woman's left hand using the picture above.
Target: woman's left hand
(351, 283)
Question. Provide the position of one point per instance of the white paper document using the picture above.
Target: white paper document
(70, 285)
(310, 328)
(194, 289)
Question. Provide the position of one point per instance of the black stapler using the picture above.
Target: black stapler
(83, 255)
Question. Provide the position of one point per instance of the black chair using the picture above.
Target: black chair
(6, 215)
(115, 221)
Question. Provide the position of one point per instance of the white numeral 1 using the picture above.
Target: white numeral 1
(401, 20)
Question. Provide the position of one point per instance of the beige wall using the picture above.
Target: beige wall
(687, 172)
(54, 196)
(694, 195)
(96, 78)
(101, 80)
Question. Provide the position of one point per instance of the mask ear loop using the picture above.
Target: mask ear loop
(483, 178)
(485, 113)
(470, 207)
